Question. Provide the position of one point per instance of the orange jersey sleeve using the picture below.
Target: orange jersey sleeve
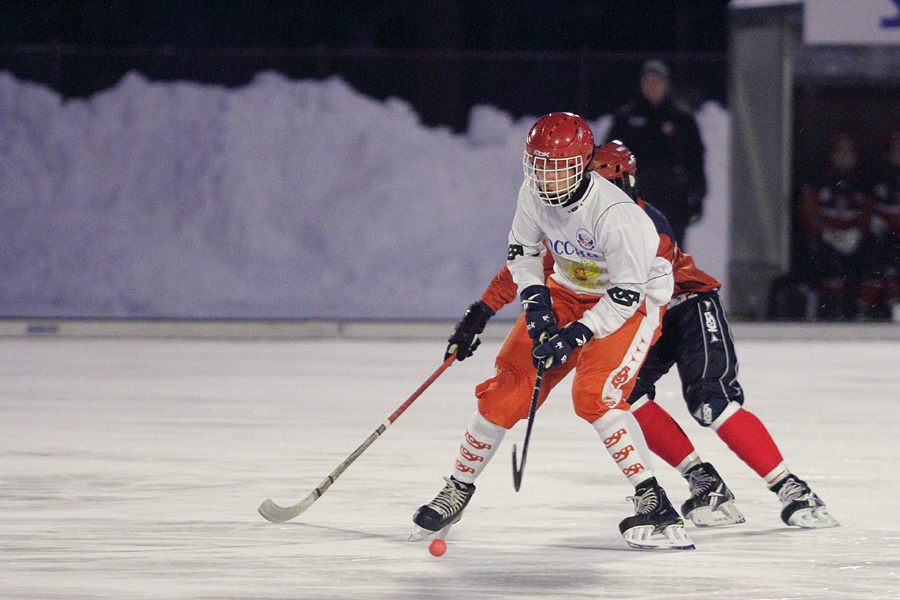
(689, 279)
(502, 290)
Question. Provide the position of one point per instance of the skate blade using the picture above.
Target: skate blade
(420, 533)
(807, 518)
(724, 514)
(672, 537)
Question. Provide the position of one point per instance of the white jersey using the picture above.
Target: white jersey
(603, 245)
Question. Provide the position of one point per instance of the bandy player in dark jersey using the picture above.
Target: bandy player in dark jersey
(696, 337)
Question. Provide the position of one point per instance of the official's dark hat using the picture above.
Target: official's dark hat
(655, 67)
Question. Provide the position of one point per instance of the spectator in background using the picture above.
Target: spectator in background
(664, 133)
(886, 226)
(834, 215)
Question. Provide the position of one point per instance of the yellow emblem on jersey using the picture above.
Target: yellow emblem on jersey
(585, 273)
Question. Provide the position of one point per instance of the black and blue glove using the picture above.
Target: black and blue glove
(464, 339)
(539, 319)
(559, 348)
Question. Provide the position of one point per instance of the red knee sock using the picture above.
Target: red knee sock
(749, 439)
(664, 436)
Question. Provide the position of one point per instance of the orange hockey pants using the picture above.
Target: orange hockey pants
(605, 368)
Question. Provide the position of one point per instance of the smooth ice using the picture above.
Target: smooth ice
(132, 468)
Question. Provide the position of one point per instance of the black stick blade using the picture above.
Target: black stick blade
(517, 469)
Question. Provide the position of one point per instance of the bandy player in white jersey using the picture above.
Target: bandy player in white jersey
(597, 314)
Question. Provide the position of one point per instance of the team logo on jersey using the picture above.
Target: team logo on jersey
(567, 248)
(585, 239)
(585, 272)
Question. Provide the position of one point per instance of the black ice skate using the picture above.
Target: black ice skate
(711, 503)
(655, 523)
(801, 507)
(442, 512)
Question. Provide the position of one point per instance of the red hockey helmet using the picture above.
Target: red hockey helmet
(558, 153)
(615, 162)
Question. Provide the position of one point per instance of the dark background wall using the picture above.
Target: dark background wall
(525, 57)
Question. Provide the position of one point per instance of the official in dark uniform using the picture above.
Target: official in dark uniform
(664, 134)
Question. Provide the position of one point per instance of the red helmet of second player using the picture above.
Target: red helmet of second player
(558, 153)
(614, 161)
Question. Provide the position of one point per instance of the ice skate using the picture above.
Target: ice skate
(711, 503)
(801, 507)
(435, 518)
(655, 523)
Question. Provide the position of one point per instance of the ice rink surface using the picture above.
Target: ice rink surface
(132, 469)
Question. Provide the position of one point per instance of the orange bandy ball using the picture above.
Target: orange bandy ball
(437, 547)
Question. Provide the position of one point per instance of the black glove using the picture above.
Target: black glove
(539, 319)
(558, 348)
(464, 339)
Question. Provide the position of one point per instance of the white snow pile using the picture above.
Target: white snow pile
(280, 199)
